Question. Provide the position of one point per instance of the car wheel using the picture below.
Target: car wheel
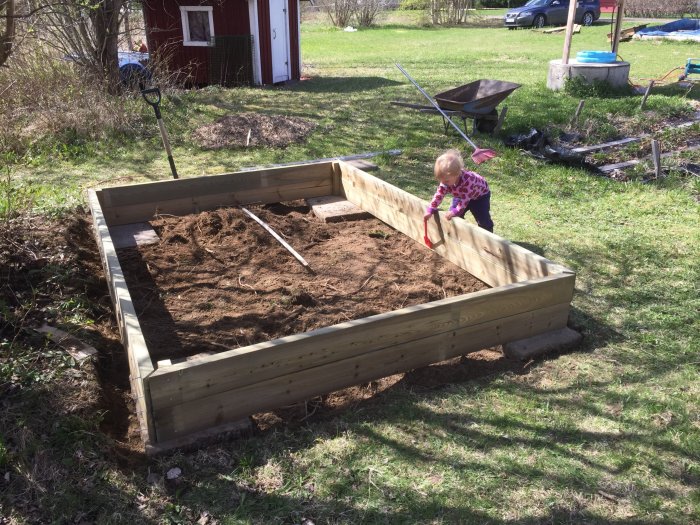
(587, 18)
(538, 21)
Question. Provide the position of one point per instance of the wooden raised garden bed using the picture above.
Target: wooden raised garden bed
(181, 401)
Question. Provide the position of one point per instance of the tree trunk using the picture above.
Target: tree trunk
(106, 24)
(7, 37)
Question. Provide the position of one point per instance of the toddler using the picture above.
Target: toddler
(470, 190)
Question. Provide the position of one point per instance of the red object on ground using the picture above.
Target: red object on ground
(482, 155)
(426, 239)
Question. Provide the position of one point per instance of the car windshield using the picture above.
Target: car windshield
(537, 3)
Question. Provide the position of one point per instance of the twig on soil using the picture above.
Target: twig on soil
(240, 282)
(331, 287)
(363, 284)
(306, 410)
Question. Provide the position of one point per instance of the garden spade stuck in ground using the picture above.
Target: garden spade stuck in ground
(152, 96)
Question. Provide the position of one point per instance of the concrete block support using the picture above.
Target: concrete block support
(616, 74)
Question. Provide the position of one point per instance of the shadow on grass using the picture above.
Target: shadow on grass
(322, 84)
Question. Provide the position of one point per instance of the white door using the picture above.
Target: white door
(280, 40)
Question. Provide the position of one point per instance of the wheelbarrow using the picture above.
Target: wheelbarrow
(477, 100)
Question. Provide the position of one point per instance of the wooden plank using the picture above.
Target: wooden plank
(332, 208)
(134, 234)
(606, 145)
(531, 347)
(277, 237)
(349, 158)
(309, 175)
(485, 255)
(620, 165)
(646, 94)
(656, 157)
(236, 368)
(140, 364)
(146, 211)
(181, 419)
(364, 165)
(77, 349)
(206, 437)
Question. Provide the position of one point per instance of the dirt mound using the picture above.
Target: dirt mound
(218, 280)
(253, 129)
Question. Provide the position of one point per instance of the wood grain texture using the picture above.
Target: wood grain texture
(140, 364)
(141, 202)
(485, 255)
(252, 364)
(178, 420)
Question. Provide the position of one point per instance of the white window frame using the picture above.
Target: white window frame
(184, 9)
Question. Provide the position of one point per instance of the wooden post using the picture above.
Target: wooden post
(656, 157)
(618, 24)
(646, 94)
(578, 111)
(569, 31)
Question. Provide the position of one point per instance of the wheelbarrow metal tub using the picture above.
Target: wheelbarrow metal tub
(479, 97)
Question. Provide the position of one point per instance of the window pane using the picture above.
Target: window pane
(199, 26)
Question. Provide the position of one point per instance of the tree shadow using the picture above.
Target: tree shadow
(340, 84)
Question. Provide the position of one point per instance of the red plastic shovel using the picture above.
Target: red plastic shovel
(426, 239)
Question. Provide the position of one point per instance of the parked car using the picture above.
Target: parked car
(538, 13)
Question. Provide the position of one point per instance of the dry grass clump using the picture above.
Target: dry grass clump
(45, 99)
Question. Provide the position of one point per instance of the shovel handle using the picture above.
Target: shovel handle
(152, 97)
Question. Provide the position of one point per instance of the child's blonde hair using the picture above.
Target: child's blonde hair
(449, 163)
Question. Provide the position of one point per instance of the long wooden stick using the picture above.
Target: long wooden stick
(279, 239)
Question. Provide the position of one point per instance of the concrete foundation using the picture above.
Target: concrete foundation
(616, 74)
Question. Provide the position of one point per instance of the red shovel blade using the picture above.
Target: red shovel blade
(482, 155)
(426, 239)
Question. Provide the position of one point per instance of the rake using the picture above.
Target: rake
(480, 154)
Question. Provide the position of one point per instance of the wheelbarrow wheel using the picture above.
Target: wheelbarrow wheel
(487, 125)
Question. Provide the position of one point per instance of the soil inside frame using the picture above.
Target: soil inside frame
(217, 280)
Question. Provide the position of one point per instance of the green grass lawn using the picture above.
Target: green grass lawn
(609, 433)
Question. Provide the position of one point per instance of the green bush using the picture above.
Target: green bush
(414, 5)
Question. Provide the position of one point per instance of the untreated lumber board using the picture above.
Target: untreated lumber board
(488, 257)
(347, 158)
(126, 214)
(141, 202)
(620, 165)
(256, 363)
(140, 364)
(178, 420)
(530, 347)
(308, 175)
(332, 208)
(77, 349)
(606, 145)
(233, 430)
(363, 165)
(133, 234)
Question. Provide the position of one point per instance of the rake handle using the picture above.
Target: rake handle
(436, 106)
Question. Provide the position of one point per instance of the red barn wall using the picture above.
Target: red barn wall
(231, 17)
